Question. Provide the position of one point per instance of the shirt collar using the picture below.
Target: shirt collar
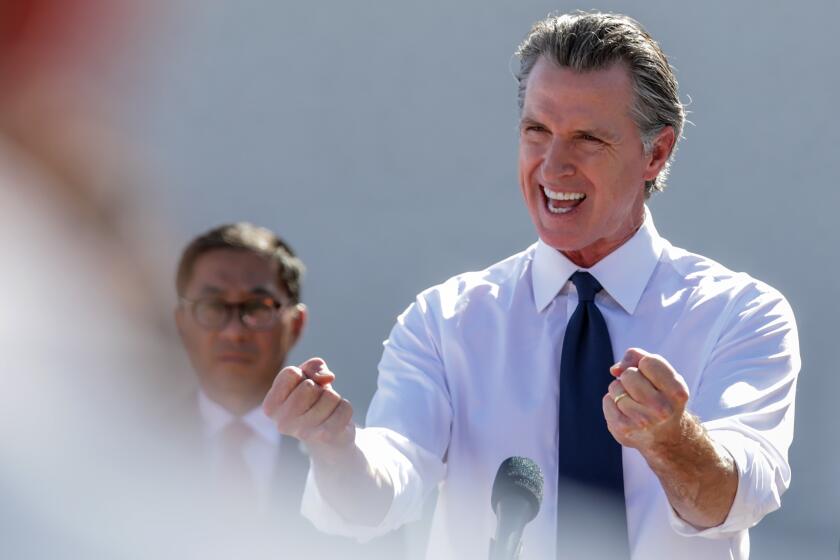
(624, 273)
(215, 418)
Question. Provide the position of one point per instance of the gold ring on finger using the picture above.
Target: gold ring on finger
(619, 397)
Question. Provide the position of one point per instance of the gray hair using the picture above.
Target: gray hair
(594, 41)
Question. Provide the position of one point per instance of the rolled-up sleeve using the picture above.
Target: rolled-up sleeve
(745, 401)
(408, 428)
(411, 470)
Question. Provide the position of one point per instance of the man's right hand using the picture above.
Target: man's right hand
(304, 405)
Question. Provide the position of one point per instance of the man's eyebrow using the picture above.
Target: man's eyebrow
(263, 291)
(527, 120)
(598, 132)
(602, 133)
(210, 290)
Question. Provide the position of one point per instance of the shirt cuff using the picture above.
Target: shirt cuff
(410, 469)
(756, 495)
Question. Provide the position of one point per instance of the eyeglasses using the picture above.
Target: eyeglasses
(257, 314)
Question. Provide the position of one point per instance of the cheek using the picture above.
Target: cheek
(529, 157)
(199, 345)
(521, 171)
(631, 166)
(609, 176)
(527, 165)
(272, 346)
(191, 337)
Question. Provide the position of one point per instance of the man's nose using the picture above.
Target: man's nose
(234, 329)
(557, 163)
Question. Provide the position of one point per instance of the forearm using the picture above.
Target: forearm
(304, 405)
(359, 492)
(699, 477)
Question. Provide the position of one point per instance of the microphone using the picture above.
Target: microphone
(516, 498)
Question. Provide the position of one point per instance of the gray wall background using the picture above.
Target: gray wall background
(380, 139)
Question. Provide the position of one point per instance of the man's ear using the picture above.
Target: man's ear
(298, 321)
(663, 145)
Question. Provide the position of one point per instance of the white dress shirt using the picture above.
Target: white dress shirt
(260, 452)
(469, 377)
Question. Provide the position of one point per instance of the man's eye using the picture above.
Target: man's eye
(213, 305)
(258, 306)
(590, 138)
(531, 127)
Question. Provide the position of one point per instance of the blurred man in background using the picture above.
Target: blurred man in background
(239, 313)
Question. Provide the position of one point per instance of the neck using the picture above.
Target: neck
(590, 256)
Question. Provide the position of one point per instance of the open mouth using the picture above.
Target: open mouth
(561, 202)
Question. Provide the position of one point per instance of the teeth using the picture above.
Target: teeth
(555, 195)
(554, 210)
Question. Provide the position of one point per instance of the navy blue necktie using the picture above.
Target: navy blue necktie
(588, 455)
(587, 452)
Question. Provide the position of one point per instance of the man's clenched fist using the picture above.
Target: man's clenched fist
(645, 405)
(304, 405)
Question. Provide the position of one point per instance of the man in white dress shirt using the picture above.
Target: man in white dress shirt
(702, 392)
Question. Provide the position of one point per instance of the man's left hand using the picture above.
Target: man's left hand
(652, 412)
(699, 477)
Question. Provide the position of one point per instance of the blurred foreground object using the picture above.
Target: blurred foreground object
(87, 346)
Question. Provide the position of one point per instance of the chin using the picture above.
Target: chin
(240, 386)
(560, 241)
(233, 373)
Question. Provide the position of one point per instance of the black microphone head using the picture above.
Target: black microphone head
(518, 476)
